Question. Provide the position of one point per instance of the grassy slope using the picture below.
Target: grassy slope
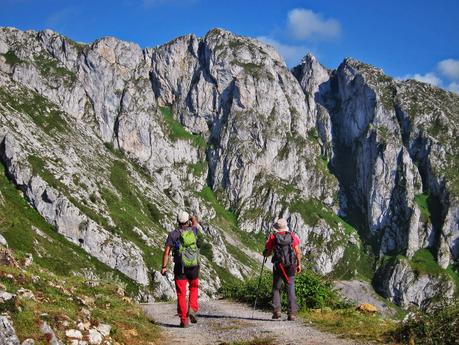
(58, 262)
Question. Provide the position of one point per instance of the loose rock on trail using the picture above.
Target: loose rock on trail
(224, 322)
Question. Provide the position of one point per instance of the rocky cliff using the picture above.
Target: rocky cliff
(107, 141)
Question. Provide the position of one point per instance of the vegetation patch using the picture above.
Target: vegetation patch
(176, 131)
(312, 291)
(313, 210)
(11, 58)
(208, 195)
(240, 256)
(424, 262)
(349, 323)
(58, 298)
(422, 201)
(49, 67)
(228, 221)
(249, 67)
(44, 113)
(356, 262)
(26, 231)
(198, 169)
(319, 304)
(130, 210)
(439, 326)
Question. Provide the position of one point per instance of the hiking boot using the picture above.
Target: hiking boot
(276, 315)
(184, 324)
(192, 315)
(291, 317)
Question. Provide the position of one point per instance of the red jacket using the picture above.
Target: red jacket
(271, 242)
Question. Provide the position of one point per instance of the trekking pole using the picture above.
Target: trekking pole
(259, 283)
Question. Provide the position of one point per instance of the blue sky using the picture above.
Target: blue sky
(407, 38)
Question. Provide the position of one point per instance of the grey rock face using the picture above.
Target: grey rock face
(7, 333)
(68, 219)
(385, 156)
(405, 287)
(235, 100)
(224, 112)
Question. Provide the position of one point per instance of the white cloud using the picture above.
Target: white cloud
(292, 54)
(449, 68)
(430, 78)
(304, 24)
(454, 87)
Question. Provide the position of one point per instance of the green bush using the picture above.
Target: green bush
(439, 326)
(246, 291)
(312, 291)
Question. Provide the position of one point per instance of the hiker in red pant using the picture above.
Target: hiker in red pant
(183, 241)
(284, 245)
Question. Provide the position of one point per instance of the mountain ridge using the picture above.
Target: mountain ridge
(220, 120)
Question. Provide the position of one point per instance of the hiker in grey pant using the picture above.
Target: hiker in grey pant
(286, 263)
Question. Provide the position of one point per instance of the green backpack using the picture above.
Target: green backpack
(188, 250)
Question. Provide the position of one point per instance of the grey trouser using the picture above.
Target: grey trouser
(278, 278)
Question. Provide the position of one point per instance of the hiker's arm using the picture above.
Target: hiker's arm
(298, 258)
(269, 245)
(167, 250)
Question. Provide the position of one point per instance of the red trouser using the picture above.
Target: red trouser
(182, 307)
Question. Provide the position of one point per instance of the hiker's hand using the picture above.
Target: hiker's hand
(298, 269)
(163, 271)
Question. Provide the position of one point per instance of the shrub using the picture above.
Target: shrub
(439, 326)
(312, 291)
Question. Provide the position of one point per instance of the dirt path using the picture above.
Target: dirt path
(224, 322)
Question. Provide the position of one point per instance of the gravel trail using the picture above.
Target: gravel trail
(223, 322)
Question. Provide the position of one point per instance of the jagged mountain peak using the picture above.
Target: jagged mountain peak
(108, 140)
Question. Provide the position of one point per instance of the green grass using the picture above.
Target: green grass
(313, 210)
(199, 168)
(130, 209)
(348, 323)
(44, 113)
(249, 67)
(454, 275)
(11, 58)
(354, 263)
(208, 195)
(228, 221)
(56, 298)
(240, 256)
(49, 67)
(223, 274)
(438, 326)
(176, 131)
(39, 168)
(424, 262)
(422, 201)
(53, 252)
